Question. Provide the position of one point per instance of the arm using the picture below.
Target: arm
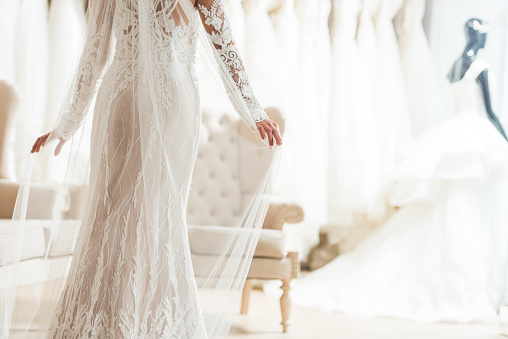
(483, 80)
(216, 23)
(89, 70)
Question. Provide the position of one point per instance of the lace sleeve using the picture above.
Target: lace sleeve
(217, 25)
(91, 65)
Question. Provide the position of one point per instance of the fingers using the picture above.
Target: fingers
(41, 141)
(59, 146)
(270, 130)
(270, 136)
(276, 133)
(36, 144)
(262, 132)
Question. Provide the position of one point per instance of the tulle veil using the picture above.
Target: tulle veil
(162, 117)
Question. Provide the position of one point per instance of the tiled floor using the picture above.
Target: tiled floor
(263, 320)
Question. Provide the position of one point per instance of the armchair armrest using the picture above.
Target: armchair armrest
(278, 214)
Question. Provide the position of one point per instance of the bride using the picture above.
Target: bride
(131, 274)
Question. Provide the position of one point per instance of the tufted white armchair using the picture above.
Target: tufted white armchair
(217, 196)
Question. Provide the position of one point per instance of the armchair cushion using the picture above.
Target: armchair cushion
(213, 239)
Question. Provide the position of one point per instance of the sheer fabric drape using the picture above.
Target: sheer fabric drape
(132, 272)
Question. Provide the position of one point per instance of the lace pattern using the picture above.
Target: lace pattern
(182, 60)
(126, 282)
(218, 27)
(89, 70)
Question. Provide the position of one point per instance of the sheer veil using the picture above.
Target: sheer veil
(120, 253)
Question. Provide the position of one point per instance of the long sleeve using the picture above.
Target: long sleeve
(88, 72)
(217, 25)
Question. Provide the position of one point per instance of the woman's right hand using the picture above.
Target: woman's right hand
(41, 141)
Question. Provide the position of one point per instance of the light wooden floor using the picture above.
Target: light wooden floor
(263, 320)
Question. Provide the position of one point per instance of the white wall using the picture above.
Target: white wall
(444, 23)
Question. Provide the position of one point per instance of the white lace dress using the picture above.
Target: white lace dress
(132, 275)
(443, 255)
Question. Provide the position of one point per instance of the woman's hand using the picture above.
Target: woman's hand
(269, 128)
(41, 141)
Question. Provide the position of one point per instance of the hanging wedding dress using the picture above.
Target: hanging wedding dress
(392, 108)
(262, 51)
(443, 255)
(354, 174)
(285, 25)
(367, 106)
(323, 78)
(323, 56)
(131, 274)
(311, 160)
(31, 52)
(424, 102)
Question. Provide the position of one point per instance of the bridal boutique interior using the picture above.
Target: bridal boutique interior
(387, 219)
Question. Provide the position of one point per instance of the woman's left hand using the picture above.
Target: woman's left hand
(270, 129)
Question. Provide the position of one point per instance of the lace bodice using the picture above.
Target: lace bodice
(176, 41)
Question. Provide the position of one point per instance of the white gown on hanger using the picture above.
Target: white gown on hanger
(366, 105)
(311, 194)
(391, 106)
(286, 28)
(442, 256)
(424, 101)
(354, 180)
(285, 25)
(262, 56)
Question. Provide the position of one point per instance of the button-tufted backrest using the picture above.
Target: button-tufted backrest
(225, 175)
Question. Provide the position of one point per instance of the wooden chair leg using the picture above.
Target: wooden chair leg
(245, 296)
(285, 305)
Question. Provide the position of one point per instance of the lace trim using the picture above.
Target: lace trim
(218, 27)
